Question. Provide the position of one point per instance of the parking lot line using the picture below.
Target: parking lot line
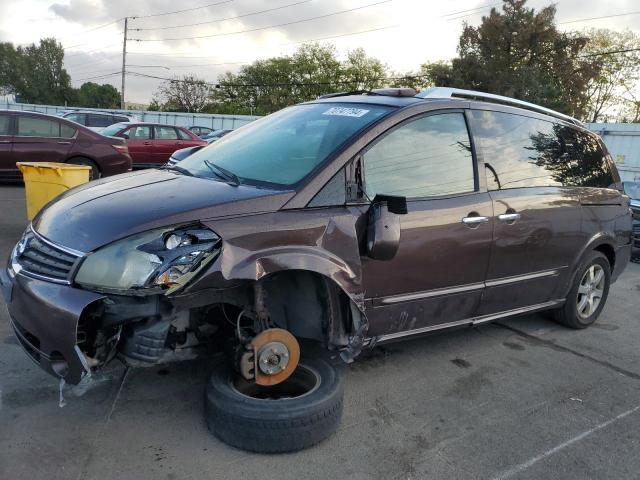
(525, 465)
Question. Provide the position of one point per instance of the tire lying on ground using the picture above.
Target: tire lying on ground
(295, 414)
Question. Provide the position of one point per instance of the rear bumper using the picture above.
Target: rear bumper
(44, 317)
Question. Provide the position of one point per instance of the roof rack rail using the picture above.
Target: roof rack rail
(388, 92)
(447, 92)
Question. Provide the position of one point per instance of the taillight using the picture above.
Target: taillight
(123, 149)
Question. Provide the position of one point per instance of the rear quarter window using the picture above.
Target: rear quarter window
(184, 135)
(585, 162)
(67, 131)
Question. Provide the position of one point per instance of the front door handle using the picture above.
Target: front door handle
(509, 217)
(474, 221)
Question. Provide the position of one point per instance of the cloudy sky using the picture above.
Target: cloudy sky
(208, 37)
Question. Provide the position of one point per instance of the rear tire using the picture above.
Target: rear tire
(588, 294)
(94, 174)
(238, 413)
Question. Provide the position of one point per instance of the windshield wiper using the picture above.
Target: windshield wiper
(176, 168)
(223, 173)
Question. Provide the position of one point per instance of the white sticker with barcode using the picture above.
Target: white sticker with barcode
(346, 112)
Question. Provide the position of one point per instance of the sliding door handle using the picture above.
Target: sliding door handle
(509, 217)
(474, 221)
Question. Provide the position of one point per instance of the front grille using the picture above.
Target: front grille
(43, 259)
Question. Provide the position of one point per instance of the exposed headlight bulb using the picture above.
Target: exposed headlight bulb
(175, 241)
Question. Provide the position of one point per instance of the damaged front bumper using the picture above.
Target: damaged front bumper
(45, 317)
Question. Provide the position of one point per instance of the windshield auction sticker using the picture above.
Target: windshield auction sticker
(346, 112)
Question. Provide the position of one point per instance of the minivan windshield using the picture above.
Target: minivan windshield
(281, 149)
(632, 189)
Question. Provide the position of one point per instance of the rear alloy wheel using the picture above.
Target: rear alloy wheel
(295, 414)
(94, 174)
(588, 294)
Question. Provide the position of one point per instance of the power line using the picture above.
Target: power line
(287, 84)
(98, 76)
(471, 10)
(91, 30)
(598, 18)
(277, 45)
(262, 28)
(222, 19)
(181, 11)
(610, 52)
(73, 54)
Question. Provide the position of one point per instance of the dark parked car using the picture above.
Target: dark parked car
(183, 153)
(201, 131)
(334, 225)
(632, 189)
(150, 144)
(217, 135)
(35, 137)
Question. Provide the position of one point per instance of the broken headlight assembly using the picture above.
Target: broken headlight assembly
(161, 258)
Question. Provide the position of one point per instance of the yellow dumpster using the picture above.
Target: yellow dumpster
(44, 181)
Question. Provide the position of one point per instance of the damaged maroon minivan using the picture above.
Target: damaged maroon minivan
(334, 225)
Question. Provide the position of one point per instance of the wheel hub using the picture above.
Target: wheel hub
(276, 354)
(273, 358)
(590, 291)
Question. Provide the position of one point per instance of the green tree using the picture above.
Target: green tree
(183, 94)
(92, 95)
(619, 70)
(41, 77)
(314, 69)
(520, 53)
(363, 72)
(8, 68)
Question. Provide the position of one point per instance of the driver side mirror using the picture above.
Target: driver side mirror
(383, 229)
(125, 136)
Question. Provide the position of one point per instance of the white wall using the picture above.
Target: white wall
(172, 118)
(623, 142)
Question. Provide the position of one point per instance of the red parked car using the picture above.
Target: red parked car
(35, 137)
(151, 144)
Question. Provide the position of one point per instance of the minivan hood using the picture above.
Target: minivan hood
(97, 213)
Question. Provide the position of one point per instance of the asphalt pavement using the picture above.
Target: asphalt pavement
(518, 399)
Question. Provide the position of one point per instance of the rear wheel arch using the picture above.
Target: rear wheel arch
(602, 243)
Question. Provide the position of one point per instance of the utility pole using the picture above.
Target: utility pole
(124, 62)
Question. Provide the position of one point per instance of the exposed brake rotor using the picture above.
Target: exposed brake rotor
(276, 354)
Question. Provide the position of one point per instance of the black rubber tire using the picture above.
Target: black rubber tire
(567, 314)
(94, 174)
(275, 426)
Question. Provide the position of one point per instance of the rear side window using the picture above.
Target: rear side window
(141, 132)
(37, 127)
(518, 151)
(426, 157)
(584, 163)
(165, 133)
(100, 121)
(4, 124)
